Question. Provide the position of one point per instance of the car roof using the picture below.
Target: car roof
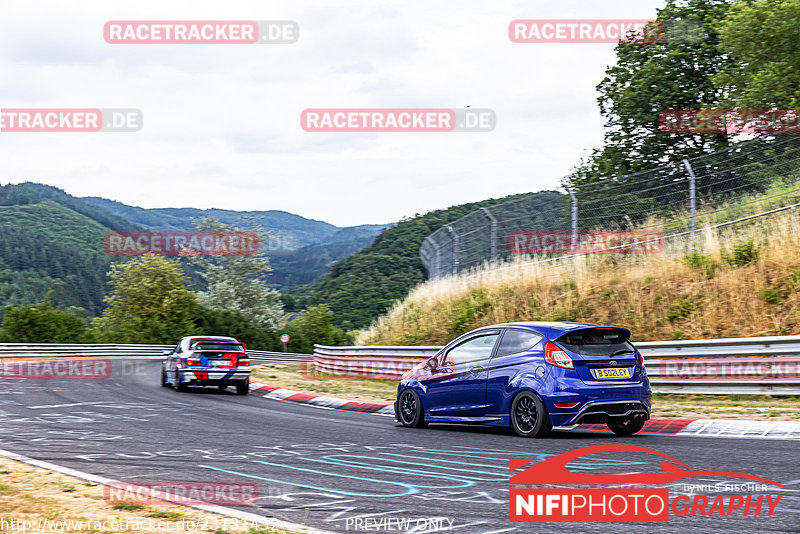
(551, 329)
(220, 338)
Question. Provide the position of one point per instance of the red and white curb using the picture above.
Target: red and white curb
(331, 403)
(722, 428)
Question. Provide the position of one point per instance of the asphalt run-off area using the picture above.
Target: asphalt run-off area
(342, 471)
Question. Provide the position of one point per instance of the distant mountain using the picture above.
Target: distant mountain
(301, 250)
(287, 227)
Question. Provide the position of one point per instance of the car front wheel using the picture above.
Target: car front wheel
(243, 388)
(627, 426)
(409, 409)
(529, 417)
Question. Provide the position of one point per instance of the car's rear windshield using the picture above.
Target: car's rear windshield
(217, 345)
(597, 341)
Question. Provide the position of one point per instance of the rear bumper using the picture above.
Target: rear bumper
(213, 377)
(602, 411)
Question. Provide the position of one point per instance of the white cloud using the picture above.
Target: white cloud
(222, 123)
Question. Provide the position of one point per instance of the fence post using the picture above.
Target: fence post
(493, 233)
(455, 248)
(692, 207)
(574, 226)
(435, 268)
(794, 219)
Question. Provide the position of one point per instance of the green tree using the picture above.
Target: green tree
(42, 323)
(762, 40)
(235, 282)
(230, 323)
(314, 327)
(675, 73)
(149, 303)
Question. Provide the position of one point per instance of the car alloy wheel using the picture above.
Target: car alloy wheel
(529, 417)
(410, 409)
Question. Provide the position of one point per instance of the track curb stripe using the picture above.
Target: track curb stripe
(724, 428)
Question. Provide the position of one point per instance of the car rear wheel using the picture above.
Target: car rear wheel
(178, 383)
(164, 382)
(627, 426)
(243, 388)
(409, 408)
(529, 417)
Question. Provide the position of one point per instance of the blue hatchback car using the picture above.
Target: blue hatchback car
(531, 376)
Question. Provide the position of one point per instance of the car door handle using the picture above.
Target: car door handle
(476, 369)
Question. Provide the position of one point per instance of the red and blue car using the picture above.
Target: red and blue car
(207, 361)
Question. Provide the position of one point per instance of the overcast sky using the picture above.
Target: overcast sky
(222, 122)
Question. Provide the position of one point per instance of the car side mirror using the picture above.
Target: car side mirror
(432, 365)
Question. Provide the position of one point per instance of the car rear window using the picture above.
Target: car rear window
(217, 345)
(597, 342)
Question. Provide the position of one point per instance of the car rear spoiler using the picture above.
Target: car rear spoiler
(244, 347)
(624, 332)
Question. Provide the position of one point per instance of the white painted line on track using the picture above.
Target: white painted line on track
(270, 522)
(67, 405)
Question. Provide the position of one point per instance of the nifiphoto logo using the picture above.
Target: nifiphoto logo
(201, 32)
(548, 491)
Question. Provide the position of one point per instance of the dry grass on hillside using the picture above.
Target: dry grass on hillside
(731, 289)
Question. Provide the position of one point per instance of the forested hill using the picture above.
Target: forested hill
(306, 231)
(50, 240)
(362, 287)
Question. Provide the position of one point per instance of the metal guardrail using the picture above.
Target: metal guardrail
(767, 365)
(755, 365)
(39, 350)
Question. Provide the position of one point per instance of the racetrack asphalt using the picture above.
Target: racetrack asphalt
(342, 471)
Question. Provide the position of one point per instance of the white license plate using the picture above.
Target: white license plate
(617, 372)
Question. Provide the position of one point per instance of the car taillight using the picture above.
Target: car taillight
(555, 356)
(244, 363)
(192, 361)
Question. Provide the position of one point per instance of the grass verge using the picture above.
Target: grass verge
(42, 498)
